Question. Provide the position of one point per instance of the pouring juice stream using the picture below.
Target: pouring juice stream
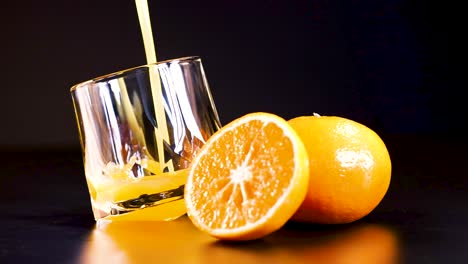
(122, 189)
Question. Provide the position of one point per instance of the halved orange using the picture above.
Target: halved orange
(248, 179)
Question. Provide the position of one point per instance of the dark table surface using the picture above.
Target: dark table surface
(45, 217)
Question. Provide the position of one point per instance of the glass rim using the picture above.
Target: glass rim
(121, 72)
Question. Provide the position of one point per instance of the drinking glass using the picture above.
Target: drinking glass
(139, 130)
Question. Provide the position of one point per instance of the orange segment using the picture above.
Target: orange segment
(248, 179)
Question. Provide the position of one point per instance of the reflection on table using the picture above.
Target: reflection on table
(179, 241)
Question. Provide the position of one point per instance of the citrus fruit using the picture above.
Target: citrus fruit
(349, 167)
(248, 179)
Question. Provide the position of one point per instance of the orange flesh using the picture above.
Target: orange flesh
(245, 194)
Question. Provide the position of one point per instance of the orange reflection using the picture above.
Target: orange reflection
(364, 245)
(179, 241)
(360, 244)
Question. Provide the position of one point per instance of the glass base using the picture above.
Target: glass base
(162, 212)
(149, 198)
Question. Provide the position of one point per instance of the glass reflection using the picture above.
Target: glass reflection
(174, 241)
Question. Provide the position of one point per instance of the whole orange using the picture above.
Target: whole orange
(350, 169)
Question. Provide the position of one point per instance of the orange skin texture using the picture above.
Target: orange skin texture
(350, 169)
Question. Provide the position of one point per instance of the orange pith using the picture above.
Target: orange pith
(350, 169)
(248, 179)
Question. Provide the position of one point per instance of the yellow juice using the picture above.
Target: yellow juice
(145, 198)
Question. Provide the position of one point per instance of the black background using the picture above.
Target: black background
(398, 67)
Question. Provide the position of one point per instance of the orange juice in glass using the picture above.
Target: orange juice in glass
(139, 130)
